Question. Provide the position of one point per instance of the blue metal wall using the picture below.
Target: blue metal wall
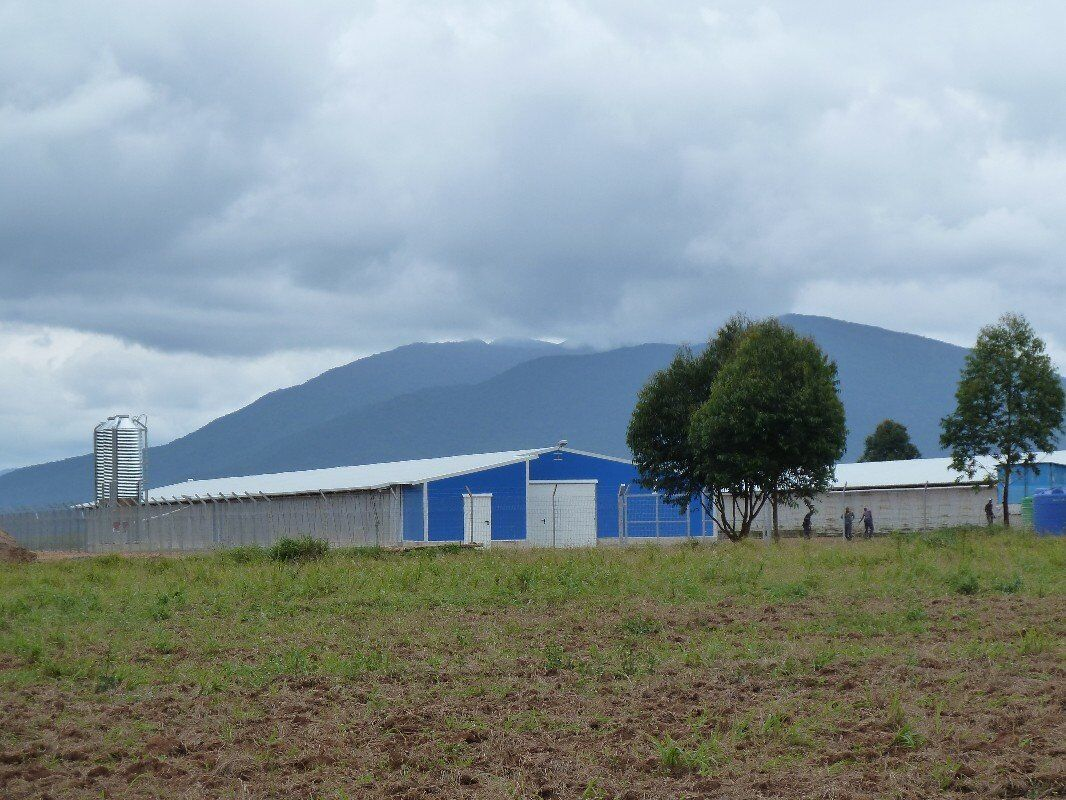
(647, 515)
(412, 513)
(1024, 481)
(507, 485)
(609, 474)
(643, 508)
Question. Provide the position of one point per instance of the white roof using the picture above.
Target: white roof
(920, 471)
(337, 479)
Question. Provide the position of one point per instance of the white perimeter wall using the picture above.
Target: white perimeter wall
(893, 509)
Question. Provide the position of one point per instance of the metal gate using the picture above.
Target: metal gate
(645, 515)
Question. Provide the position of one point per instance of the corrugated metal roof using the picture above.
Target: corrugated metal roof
(915, 472)
(920, 471)
(335, 479)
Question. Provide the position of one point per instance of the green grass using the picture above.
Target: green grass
(702, 758)
(243, 617)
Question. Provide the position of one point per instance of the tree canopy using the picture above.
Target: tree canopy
(758, 419)
(890, 441)
(1009, 402)
(658, 429)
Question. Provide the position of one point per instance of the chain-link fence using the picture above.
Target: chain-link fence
(645, 515)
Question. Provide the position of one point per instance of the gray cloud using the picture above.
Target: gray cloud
(270, 181)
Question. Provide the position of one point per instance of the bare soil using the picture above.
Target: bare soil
(942, 710)
(12, 552)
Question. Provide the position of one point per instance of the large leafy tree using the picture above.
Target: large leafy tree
(772, 427)
(890, 441)
(753, 418)
(1009, 402)
(658, 430)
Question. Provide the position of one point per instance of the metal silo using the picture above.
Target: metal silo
(118, 459)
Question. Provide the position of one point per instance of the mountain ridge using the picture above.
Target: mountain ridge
(426, 399)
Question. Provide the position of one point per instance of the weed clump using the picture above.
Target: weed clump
(908, 737)
(965, 581)
(305, 549)
(246, 554)
(640, 626)
(675, 757)
(1012, 586)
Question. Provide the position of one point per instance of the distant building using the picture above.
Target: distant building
(920, 494)
(553, 496)
(542, 497)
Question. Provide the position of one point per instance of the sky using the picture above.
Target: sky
(200, 202)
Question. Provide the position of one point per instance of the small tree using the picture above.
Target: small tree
(890, 441)
(658, 430)
(772, 427)
(1009, 402)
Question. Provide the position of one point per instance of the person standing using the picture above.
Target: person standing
(867, 523)
(807, 523)
(990, 512)
(849, 517)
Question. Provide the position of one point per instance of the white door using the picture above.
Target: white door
(561, 513)
(477, 519)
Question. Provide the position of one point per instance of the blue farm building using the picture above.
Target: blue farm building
(551, 497)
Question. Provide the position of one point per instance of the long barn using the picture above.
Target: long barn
(920, 494)
(541, 497)
(548, 497)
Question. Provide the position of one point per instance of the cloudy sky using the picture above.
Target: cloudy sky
(203, 201)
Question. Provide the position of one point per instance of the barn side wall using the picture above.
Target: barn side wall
(506, 484)
(893, 510)
(1025, 481)
(344, 519)
(413, 521)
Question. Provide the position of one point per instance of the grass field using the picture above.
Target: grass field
(909, 666)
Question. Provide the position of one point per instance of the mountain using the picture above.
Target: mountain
(361, 383)
(587, 397)
(428, 400)
(885, 374)
(204, 452)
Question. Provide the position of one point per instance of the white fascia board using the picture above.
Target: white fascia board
(591, 454)
(569, 480)
(908, 488)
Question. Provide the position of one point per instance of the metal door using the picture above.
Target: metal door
(477, 519)
(561, 513)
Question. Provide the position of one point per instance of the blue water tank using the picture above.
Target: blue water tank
(1049, 511)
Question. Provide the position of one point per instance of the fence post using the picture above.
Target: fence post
(470, 495)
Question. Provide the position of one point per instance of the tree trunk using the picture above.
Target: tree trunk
(773, 503)
(745, 528)
(1006, 496)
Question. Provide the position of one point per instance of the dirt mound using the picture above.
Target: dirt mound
(12, 552)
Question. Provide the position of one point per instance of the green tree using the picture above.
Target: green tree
(775, 392)
(771, 429)
(1009, 402)
(890, 441)
(658, 429)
